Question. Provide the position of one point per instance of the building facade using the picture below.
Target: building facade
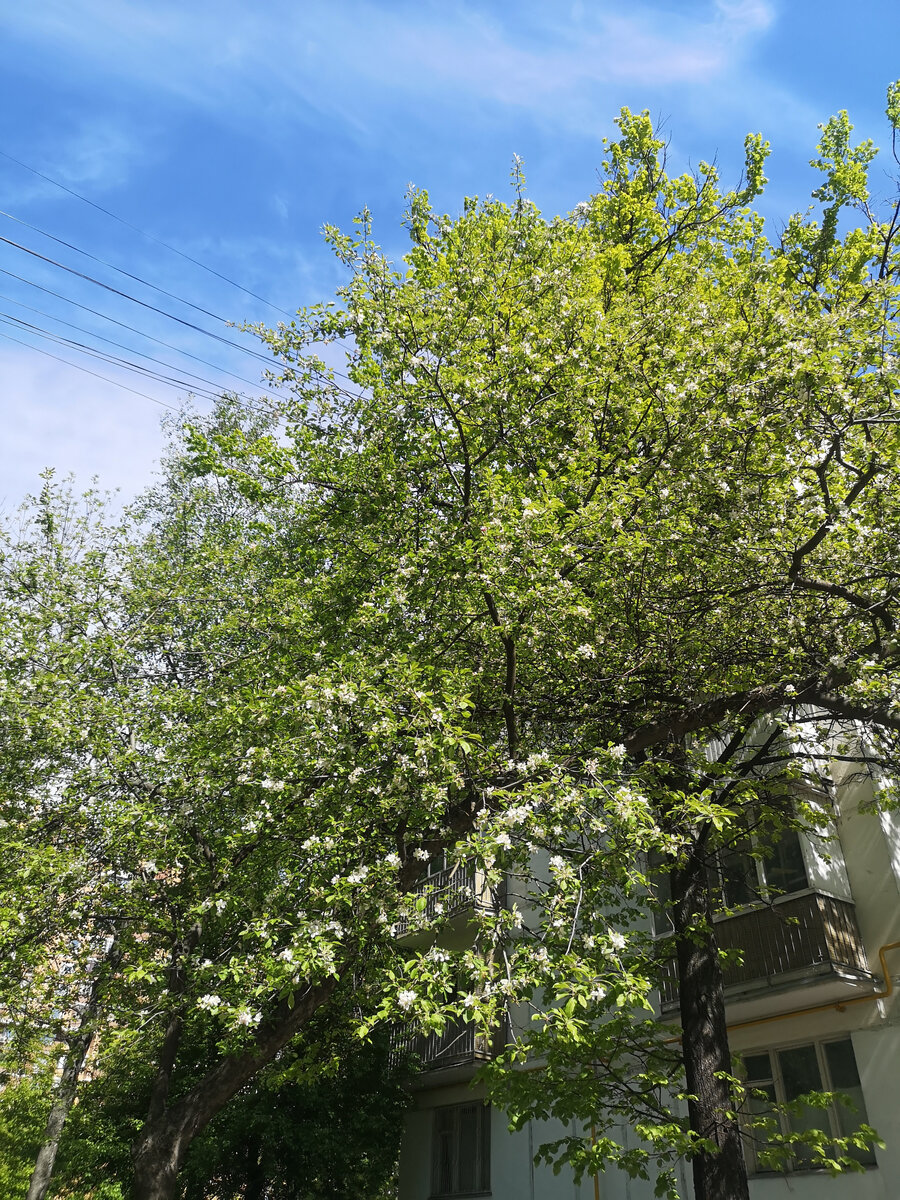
(812, 1004)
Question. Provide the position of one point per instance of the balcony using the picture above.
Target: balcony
(459, 1045)
(798, 941)
(452, 894)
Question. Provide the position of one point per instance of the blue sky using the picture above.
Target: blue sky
(234, 132)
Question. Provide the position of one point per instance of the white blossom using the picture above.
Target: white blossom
(406, 999)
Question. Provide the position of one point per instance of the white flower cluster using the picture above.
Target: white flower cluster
(246, 1017)
(515, 815)
(406, 999)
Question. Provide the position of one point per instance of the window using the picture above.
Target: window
(436, 864)
(738, 878)
(461, 1150)
(785, 1075)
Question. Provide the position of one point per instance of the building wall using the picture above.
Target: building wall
(862, 863)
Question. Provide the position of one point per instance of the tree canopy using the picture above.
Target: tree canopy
(587, 497)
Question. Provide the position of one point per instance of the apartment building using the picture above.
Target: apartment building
(812, 1005)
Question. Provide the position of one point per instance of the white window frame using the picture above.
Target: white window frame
(775, 1077)
(662, 923)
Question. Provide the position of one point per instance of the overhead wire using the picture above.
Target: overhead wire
(136, 300)
(328, 373)
(87, 371)
(112, 359)
(132, 349)
(143, 233)
(138, 278)
(112, 267)
(124, 325)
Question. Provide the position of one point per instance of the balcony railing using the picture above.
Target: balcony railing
(451, 891)
(458, 1045)
(797, 935)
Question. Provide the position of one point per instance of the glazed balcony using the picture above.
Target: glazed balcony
(802, 940)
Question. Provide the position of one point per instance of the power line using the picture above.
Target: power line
(87, 371)
(135, 300)
(131, 349)
(149, 236)
(324, 372)
(112, 267)
(122, 324)
(226, 341)
(113, 359)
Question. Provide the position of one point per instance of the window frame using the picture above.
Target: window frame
(775, 1078)
(763, 892)
(481, 1151)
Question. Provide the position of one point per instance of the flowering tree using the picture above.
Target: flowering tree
(594, 495)
(627, 478)
(193, 768)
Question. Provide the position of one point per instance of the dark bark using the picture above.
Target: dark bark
(165, 1138)
(256, 1177)
(719, 1170)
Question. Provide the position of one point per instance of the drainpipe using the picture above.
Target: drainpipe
(839, 1005)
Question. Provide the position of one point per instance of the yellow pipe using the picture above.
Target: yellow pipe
(840, 1005)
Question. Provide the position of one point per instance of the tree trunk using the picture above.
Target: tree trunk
(166, 1136)
(63, 1099)
(255, 1188)
(719, 1171)
(79, 1045)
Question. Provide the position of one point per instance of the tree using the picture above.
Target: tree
(186, 768)
(296, 1133)
(593, 493)
(630, 475)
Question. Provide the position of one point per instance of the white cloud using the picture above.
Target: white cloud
(99, 153)
(746, 16)
(93, 154)
(246, 63)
